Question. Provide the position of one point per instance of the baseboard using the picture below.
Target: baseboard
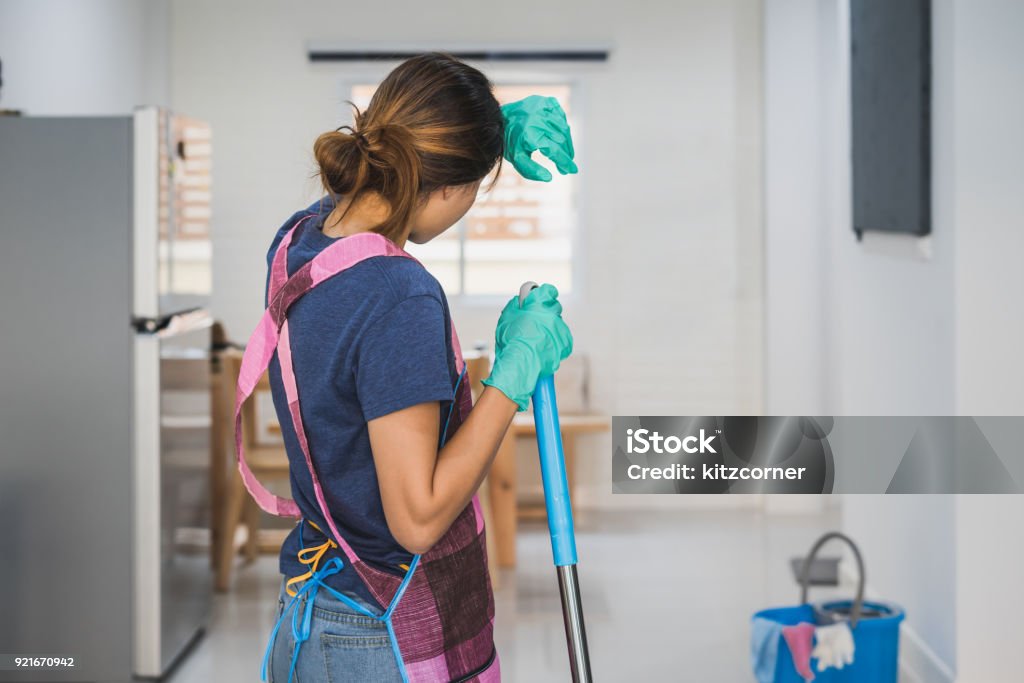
(918, 662)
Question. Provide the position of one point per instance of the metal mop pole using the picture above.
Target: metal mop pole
(559, 508)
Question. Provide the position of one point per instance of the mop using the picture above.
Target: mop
(559, 508)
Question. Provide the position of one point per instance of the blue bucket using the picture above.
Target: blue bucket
(877, 643)
(875, 627)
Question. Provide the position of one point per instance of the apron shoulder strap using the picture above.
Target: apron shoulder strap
(279, 264)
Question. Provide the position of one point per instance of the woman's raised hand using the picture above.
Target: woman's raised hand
(538, 123)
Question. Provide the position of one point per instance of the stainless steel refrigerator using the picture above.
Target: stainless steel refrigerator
(104, 393)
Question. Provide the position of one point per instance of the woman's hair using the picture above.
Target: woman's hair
(433, 122)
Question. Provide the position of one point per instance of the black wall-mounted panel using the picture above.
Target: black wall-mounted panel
(890, 84)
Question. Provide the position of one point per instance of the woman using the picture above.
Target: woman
(385, 454)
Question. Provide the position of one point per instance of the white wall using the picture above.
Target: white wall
(795, 236)
(852, 327)
(989, 214)
(904, 325)
(989, 206)
(670, 175)
(989, 598)
(83, 56)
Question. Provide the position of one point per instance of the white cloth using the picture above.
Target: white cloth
(834, 646)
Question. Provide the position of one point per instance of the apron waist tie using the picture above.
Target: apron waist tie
(302, 621)
(305, 558)
(301, 629)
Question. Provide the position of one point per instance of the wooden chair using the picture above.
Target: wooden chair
(477, 368)
(266, 462)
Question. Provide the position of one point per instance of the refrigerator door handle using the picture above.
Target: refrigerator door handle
(175, 323)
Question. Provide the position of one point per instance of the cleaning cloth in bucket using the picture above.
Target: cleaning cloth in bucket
(764, 648)
(834, 646)
(799, 638)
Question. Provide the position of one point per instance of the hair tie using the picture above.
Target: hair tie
(359, 136)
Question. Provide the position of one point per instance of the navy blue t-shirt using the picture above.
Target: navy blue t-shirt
(367, 342)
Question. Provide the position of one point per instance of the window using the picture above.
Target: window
(519, 230)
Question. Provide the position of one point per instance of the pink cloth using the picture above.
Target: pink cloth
(800, 639)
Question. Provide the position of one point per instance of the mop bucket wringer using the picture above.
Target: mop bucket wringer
(875, 627)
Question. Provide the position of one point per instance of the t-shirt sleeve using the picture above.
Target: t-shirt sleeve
(403, 358)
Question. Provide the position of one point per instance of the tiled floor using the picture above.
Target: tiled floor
(668, 597)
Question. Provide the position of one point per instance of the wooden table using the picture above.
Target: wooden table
(504, 502)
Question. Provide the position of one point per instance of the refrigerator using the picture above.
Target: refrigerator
(105, 279)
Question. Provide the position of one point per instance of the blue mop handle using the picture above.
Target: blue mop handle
(563, 538)
(552, 465)
(552, 470)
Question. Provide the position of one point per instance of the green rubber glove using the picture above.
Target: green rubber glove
(531, 341)
(537, 123)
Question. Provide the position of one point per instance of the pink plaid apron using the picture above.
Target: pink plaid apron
(440, 615)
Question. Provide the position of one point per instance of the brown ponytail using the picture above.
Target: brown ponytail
(432, 123)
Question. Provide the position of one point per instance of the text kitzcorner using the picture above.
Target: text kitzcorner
(716, 473)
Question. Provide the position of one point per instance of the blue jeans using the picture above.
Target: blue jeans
(343, 644)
